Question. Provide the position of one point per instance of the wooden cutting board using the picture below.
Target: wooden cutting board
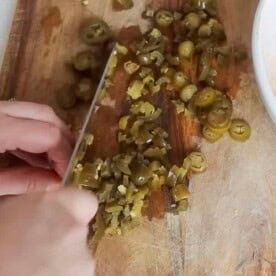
(230, 227)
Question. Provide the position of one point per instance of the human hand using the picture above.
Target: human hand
(43, 234)
(29, 130)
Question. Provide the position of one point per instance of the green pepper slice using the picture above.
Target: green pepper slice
(85, 90)
(192, 21)
(180, 192)
(220, 130)
(180, 80)
(164, 18)
(198, 162)
(240, 130)
(205, 98)
(188, 92)
(85, 60)
(186, 49)
(210, 135)
(182, 205)
(218, 118)
(95, 32)
(140, 173)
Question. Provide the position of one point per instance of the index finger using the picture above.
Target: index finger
(36, 137)
(34, 111)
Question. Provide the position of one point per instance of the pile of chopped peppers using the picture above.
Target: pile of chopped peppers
(86, 65)
(124, 183)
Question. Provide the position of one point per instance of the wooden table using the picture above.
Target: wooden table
(230, 227)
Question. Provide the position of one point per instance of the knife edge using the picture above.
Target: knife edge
(70, 168)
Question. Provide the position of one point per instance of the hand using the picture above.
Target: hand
(43, 234)
(29, 130)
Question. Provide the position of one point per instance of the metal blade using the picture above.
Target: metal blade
(69, 171)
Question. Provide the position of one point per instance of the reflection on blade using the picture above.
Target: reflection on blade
(85, 140)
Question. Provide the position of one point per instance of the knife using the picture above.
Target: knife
(81, 139)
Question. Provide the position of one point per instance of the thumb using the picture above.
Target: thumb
(22, 180)
(81, 204)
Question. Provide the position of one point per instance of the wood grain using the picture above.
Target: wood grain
(230, 228)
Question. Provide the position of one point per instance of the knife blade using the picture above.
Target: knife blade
(78, 147)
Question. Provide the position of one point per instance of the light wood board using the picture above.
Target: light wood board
(230, 227)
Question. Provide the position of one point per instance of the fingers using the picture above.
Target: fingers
(21, 180)
(82, 204)
(35, 137)
(34, 111)
(34, 160)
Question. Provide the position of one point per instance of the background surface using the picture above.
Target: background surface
(230, 226)
(7, 9)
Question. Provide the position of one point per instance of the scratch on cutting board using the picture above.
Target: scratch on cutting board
(178, 254)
